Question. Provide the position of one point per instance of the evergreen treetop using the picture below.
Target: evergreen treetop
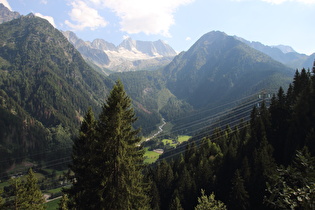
(113, 177)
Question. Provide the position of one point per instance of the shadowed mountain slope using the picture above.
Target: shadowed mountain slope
(218, 69)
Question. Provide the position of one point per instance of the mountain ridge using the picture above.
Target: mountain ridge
(220, 61)
(129, 55)
(284, 54)
(7, 15)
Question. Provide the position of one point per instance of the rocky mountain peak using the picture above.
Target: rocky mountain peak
(130, 55)
(284, 48)
(128, 44)
(6, 14)
(103, 45)
(153, 49)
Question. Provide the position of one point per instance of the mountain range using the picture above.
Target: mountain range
(47, 82)
(284, 54)
(130, 55)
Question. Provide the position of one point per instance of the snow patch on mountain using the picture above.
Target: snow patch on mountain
(130, 55)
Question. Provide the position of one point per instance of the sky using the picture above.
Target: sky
(180, 23)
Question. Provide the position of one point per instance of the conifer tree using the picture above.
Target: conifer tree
(27, 195)
(107, 159)
(82, 193)
(34, 198)
(209, 202)
(280, 115)
(164, 179)
(1, 199)
(239, 195)
(175, 204)
(154, 194)
(119, 158)
(293, 187)
(18, 193)
(63, 204)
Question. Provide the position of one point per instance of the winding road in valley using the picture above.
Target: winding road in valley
(159, 131)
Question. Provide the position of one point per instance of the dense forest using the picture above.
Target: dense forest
(265, 163)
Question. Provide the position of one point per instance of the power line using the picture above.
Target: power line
(178, 119)
(197, 141)
(216, 117)
(245, 105)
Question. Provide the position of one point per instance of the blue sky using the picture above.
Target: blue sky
(180, 22)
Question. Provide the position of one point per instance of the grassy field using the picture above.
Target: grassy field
(56, 190)
(150, 156)
(169, 142)
(53, 205)
(174, 143)
(181, 139)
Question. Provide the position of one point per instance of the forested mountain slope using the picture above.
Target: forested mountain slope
(218, 69)
(46, 86)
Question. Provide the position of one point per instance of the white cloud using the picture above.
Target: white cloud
(188, 38)
(147, 16)
(49, 18)
(282, 1)
(6, 4)
(126, 37)
(84, 16)
(44, 2)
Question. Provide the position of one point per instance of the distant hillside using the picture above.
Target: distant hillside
(309, 62)
(283, 54)
(151, 98)
(219, 68)
(46, 87)
(130, 55)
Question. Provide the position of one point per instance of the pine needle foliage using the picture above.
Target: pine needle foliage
(26, 195)
(107, 159)
(209, 202)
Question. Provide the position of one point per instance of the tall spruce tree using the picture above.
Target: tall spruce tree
(107, 159)
(27, 195)
(18, 192)
(33, 195)
(119, 156)
(239, 196)
(82, 193)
